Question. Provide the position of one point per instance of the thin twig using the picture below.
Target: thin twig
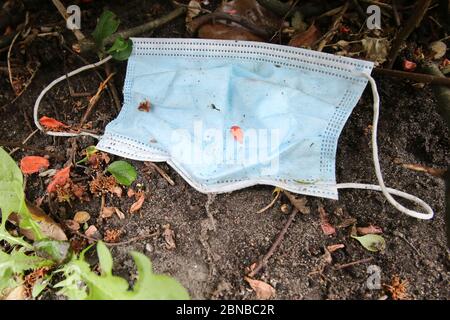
(112, 87)
(346, 265)
(93, 101)
(270, 205)
(63, 12)
(274, 246)
(88, 44)
(396, 15)
(24, 141)
(161, 172)
(330, 34)
(8, 61)
(412, 23)
(419, 77)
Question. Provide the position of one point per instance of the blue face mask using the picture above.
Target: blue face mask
(232, 114)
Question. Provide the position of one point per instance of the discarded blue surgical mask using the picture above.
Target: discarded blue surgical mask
(232, 114)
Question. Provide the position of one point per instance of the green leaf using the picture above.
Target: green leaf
(121, 49)
(90, 151)
(73, 286)
(16, 263)
(39, 286)
(12, 199)
(106, 286)
(9, 171)
(154, 286)
(105, 258)
(372, 242)
(123, 172)
(53, 249)
(106, 26)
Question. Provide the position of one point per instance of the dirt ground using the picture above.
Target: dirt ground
(212, 254)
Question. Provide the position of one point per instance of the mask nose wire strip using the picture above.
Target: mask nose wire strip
(53, 83)
(382, 187)
(376, 111)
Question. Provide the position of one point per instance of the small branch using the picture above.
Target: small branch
(256, 30)
(86, 44)
(112, 87)
(330, 34)
(412, 23)
(93, 101)
(419, 77)
(396, 15)
(161, 172)
(274, 246)
(63, 12)
(346, 265)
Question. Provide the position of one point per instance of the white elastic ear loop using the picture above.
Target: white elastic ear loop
(54, 82)
(382, 187)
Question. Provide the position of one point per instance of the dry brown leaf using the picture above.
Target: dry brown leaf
(107, 212)
(169, 237)
(117, 191)
(306, 38)
(194, 9)
(119, 213)
(130, 193)
(112, 235)
(371, 229)
(72, 225)
(376, 49)
(138, 204)
(327, 228)
(334, 247)
(92, 232)
(48, 226)
(18, 293)
(298, 203)
(81, 217)
(263, 290)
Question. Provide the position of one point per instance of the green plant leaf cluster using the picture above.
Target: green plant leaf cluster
(16, 263)
(106, 26)
(106, 286)
(12, 199)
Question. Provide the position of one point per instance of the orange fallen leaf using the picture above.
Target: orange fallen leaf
(32, 164)
(138, 204)
(263, 290)
(371, 229)
(327, 228)
(59, 179)
(50, 123)
(237, 133)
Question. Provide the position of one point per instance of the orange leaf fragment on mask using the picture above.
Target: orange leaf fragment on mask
(50, 123)
(32, 164)
(59, 179)
(144, 106)
(237, 133)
